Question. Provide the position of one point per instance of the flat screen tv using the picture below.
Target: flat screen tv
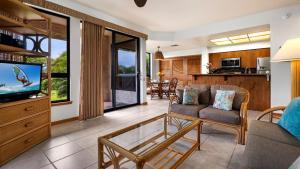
(19, 80)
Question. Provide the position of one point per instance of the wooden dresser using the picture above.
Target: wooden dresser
(23, 124)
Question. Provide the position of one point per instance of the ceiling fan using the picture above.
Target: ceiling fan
(140, 3)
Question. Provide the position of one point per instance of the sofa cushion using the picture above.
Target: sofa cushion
(203, 92)
(191, 110)
(240, 94)
(210, 113)
(273, 132)
(263, 153)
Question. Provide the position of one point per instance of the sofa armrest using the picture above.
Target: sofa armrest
(271, 113)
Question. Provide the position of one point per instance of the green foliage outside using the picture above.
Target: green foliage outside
(59, 85)
(126, 70)
(148, 64)
(59, 65)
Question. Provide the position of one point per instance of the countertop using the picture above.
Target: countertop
(229, 74)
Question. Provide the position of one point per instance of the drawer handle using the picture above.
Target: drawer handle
(28, 141)
(29, 108)
(28, 124)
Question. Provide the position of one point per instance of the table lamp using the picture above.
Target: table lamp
(290, 52)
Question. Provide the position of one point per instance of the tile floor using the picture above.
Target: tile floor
(74, 145)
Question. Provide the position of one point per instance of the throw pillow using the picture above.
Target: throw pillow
(224, 99)
(190, 96)
(290, 119)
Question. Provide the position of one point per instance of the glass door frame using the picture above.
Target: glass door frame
(114, 64)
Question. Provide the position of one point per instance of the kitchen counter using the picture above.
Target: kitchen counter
(230, 74)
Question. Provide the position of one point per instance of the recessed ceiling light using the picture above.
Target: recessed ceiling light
(244, 38)
(259, 33)
(219, 40)
(223, 43)
(260, 38)
(238, 37)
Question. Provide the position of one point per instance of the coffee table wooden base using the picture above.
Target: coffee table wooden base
(118, 155)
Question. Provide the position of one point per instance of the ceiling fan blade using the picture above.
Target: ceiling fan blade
(140, 3)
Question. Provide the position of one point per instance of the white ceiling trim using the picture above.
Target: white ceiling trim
(205, 30)
(99, 14)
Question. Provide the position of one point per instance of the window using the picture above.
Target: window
(60, 60)
(60, 75)
(148, 64)
(126, 61)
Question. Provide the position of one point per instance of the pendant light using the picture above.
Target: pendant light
(158, 55)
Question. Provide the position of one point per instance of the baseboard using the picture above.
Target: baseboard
(65, 121)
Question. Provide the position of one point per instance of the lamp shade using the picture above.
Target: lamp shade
(290, 51)
(158, 55)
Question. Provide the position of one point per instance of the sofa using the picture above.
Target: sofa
(235, 119)
(268, 145)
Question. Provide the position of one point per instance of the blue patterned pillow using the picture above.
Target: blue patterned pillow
(224, 99)
(190, 96)
(290, 119)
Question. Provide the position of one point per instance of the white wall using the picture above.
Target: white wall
(282, 30)
(71, 110)
(143, 73)
(154, 67)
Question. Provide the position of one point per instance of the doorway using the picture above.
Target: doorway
(122, 71)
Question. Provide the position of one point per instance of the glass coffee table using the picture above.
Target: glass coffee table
(164, 141)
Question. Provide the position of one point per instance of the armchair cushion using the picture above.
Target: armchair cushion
(210, 113)
(191, 110)
(290, 119)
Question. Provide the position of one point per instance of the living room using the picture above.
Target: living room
(137, 84)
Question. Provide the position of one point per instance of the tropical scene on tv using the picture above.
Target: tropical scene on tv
(19, 78)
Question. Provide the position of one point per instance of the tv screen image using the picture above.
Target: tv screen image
(19, 78)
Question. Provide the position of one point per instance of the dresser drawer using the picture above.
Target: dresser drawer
(12, 149)
(13, 130)
(11, 113)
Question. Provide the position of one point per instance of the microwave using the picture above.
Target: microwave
(231, 63)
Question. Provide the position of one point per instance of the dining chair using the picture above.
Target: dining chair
(170, 89)
(154, 89)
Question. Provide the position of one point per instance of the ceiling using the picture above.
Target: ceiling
(178, 15)
(196, 42)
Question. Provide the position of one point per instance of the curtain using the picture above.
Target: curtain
(91, 102)
(295, 78)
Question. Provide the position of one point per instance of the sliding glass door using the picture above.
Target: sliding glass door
(124, 74)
